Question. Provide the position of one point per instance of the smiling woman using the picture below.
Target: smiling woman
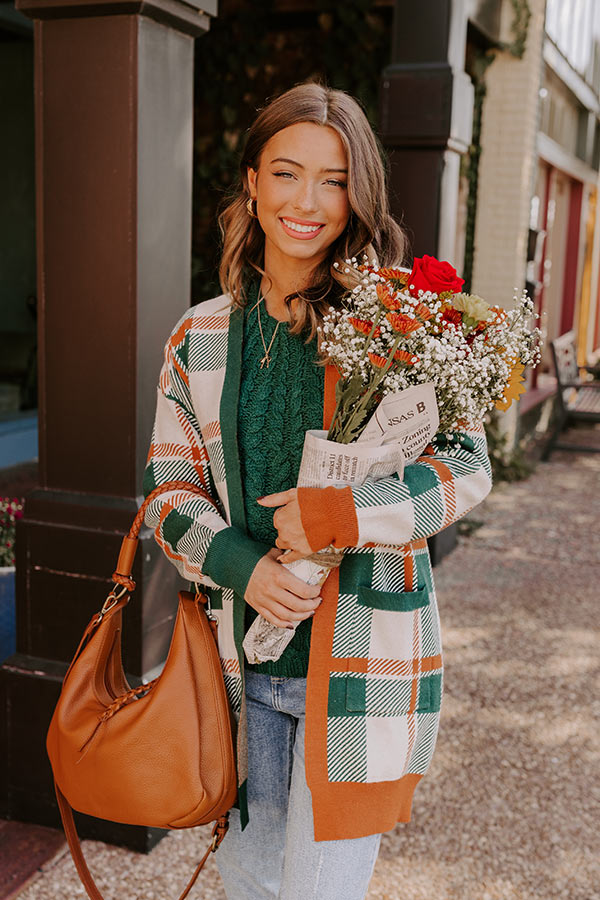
(332, 737)
(312, 176)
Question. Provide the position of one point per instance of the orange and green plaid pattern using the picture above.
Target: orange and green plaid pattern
(375, 672)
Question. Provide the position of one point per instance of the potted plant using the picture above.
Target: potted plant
(11, 509)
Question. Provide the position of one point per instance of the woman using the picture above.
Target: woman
(333, 737)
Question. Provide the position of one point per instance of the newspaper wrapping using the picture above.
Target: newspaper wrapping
(399, 429)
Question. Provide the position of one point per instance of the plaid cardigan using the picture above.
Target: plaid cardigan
(375, 670)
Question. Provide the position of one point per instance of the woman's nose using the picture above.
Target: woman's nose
(306, 198)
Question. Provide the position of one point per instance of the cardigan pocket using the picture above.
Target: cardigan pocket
(369, 695)
(393, 601)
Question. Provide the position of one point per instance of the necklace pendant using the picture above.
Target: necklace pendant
(265, 360)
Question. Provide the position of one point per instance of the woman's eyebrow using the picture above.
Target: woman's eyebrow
(300, 166)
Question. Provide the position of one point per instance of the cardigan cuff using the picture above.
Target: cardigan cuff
(328, 517)
(232, 557)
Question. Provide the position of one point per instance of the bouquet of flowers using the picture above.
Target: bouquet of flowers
(400, 328)
(409, 337)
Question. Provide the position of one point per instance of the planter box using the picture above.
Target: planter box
(7, 612)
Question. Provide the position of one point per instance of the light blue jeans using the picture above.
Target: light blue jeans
(276, 856)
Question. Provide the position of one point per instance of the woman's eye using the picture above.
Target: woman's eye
(331, 181)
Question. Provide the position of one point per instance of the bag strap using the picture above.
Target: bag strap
(66, 813)
(122, 574)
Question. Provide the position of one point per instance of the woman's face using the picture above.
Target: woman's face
(301, 193)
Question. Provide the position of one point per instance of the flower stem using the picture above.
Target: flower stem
(371, 333)
(364, 402)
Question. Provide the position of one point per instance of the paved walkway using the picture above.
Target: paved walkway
(509, 810)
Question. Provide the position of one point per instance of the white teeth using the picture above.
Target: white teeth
(304, 228)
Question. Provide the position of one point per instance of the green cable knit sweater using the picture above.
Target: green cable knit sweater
(277, 406)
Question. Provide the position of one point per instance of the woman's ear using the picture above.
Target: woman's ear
(252, 175)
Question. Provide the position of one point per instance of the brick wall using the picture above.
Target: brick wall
(507, 166)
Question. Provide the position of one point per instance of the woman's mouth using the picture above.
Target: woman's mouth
(303, 231)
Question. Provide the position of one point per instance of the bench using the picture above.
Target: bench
(578, 400)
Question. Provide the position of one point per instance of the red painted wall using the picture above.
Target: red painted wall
(571, 259)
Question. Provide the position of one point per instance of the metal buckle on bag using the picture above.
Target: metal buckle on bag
(110, 602)
(207, 606)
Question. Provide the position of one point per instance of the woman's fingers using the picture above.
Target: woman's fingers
(278, 595)
(291, 556)
(275, 620)
(280, 614)
(278, 499)
(296, 586)
(280, 608)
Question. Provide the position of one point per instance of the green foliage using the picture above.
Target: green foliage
(482, 60)
(508, 464)
(519, 27)
(251, 54)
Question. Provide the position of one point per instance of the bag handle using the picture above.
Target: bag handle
(66, 813)
(122, 574)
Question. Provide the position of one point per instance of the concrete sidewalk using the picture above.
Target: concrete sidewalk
(509, 810)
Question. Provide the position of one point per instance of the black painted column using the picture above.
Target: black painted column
(114, 114)
(426, 108)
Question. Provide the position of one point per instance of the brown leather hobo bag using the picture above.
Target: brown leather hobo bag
(157, 755)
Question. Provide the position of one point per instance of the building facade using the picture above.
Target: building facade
(537, 220)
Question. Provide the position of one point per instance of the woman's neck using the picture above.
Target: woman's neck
(274, 292)
(283, 277)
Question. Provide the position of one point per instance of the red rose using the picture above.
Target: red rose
(429, 274)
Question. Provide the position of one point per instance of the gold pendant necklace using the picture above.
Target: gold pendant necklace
(266, 360)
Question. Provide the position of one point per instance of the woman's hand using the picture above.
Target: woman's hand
(278, 595)
(287, 521)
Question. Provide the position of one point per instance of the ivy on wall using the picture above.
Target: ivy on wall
(519, 27)
(251, 53)
(481, 63)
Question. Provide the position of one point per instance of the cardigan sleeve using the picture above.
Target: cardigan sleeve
(437, 490)
(191, 529)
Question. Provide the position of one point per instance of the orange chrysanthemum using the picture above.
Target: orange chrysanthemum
(361, 325)
(364, 326)
(395, 274)
(403, 324)
(423, 312)
(405, 357)
(386, 297)
(378, 361)
(514, 387)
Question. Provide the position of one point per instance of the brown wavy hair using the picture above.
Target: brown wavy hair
(370, 229)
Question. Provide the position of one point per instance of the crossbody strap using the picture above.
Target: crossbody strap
(66, 813)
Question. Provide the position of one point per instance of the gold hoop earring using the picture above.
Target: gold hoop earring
(250, 209)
